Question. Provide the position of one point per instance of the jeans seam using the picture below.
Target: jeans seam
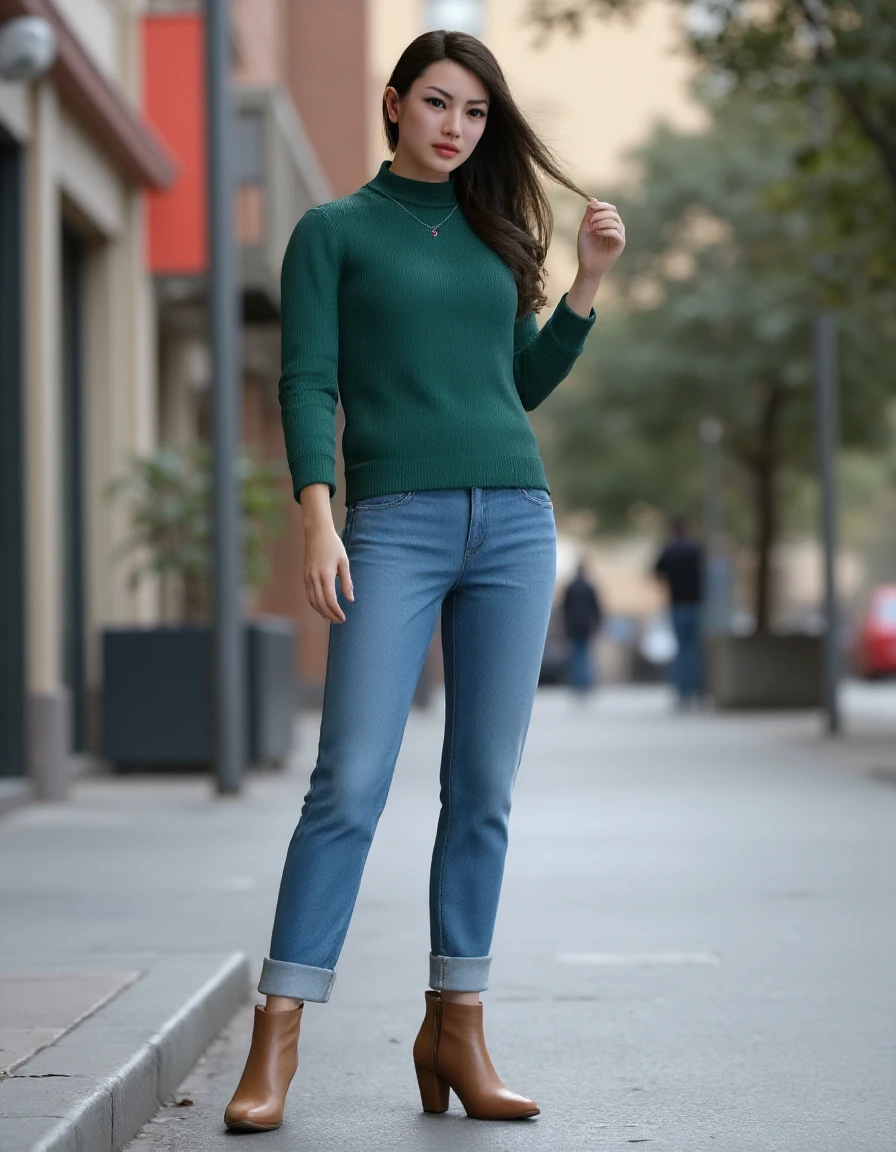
(450, 766)
(298, 831)
(484, 537)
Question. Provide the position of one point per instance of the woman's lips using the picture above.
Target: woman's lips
(445, 150)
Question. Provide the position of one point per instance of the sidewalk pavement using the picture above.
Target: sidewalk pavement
(694, 947)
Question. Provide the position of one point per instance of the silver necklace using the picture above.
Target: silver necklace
(433, 228)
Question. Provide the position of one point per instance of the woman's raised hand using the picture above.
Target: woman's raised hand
(601, 239)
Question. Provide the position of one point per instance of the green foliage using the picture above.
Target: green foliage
(169, 501)
(785, 49)
(716, 298)
(782, 47)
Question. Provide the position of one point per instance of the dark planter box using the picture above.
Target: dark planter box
(766, 671)
(157, 689)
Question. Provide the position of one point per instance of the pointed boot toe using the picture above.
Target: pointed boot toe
(260, 1097)
(450, 1053)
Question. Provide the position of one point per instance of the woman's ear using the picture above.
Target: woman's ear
(389, 98)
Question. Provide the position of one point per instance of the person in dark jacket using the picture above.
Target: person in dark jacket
(582, 617)
(680, 567)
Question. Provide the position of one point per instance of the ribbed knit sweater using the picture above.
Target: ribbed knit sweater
(418, 337)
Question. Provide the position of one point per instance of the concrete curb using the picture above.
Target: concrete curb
(99, 1084)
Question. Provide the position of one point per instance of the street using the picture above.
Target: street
(694, 949)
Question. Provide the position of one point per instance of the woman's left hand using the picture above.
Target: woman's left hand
(601, 239)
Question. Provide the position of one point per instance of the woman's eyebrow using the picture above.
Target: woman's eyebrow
(450, 97)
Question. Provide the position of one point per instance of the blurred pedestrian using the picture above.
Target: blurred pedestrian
(413, 300)
(680, 567)
(582, 618)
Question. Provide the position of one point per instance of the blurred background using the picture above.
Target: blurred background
(754, 165)
(712, 892)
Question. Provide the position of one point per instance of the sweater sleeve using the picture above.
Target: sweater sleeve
(542, 357)
(309, 351)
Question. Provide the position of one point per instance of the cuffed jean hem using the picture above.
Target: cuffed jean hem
(298, 981)
(459, 973)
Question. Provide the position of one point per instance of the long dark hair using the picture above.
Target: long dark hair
(497, 186)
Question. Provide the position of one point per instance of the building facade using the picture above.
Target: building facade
(78, 377)
(301, 139)
(103, 323)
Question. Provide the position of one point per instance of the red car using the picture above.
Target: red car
(874, 651)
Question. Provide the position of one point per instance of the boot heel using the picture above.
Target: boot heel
(433, 1090)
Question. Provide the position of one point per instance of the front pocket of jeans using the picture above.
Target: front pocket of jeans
(537, 496)
(387, 500)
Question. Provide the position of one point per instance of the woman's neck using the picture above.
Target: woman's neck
(405, 165)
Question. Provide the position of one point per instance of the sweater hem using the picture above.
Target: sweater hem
(413, 474)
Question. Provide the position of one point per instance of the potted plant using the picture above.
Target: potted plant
(157, 680)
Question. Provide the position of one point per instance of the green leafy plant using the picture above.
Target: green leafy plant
(168, 494)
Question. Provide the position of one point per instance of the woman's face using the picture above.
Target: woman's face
(441, 118)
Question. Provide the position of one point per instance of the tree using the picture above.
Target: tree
(714, 318)
(782, 47)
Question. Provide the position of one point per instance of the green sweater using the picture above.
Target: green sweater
(417, 336)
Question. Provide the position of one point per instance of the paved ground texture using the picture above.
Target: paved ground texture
(695, 948)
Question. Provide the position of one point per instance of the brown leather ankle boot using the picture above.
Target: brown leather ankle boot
(450, 1052)
(257, 1104)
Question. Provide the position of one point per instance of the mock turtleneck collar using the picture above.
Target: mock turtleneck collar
(424, 193)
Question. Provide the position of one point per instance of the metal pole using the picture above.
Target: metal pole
(827, 433)
(224, 302)
(717, 569)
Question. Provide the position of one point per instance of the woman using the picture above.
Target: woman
(413, 300)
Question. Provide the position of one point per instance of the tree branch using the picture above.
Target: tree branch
(874, 131)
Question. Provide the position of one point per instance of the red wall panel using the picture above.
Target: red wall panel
(174, 103)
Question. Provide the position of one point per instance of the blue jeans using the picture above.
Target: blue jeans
(581, 672)
(485, 558)
(687, 667)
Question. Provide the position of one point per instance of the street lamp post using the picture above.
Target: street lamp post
(228, 695)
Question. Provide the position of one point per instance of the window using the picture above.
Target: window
(455, 15)
(250, 147)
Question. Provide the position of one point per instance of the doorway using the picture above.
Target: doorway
(13, 750)
(74, 638)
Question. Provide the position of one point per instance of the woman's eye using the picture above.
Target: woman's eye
(437, 100)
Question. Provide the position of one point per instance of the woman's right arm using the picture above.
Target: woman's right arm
(308, 394)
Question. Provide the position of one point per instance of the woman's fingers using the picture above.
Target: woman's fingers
(604, 219)
(345, 578)
(329, 596)
(323, 598)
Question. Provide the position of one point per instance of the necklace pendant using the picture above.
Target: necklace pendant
(434, 232)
